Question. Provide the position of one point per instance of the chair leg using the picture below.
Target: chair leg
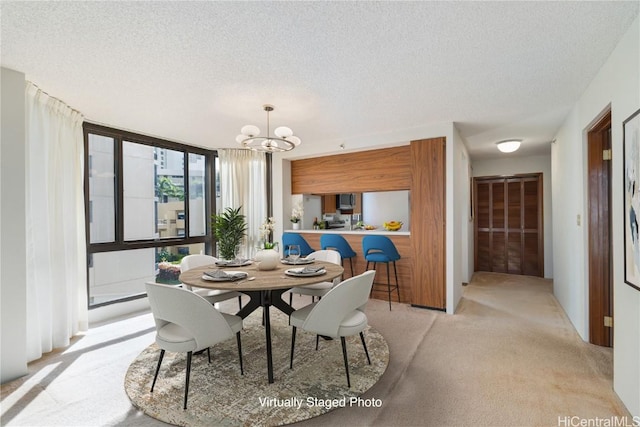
(239, 302)
(293, 343)
(317, 341)
(209, 353)
(291, 299)
(395, 271)
(346, 362)
(157, 370)
(186, 384)
(351, 263)
(240, 351)
(364, 344)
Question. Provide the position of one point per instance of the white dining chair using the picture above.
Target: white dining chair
(186, 322)
(211, 295)
(340, 313)
(318, 289)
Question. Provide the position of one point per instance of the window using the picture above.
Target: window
(148, 204)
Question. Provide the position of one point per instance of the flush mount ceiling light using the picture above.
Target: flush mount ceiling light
(508, 146)
(284, 139)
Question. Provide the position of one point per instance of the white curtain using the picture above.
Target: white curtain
(56, 251)
(243, 183)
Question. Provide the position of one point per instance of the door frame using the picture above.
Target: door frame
(600, 262)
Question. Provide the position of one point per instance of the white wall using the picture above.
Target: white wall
(463, 227)
(617, 85)
(13, 249)
(511, 165)
(382, 206)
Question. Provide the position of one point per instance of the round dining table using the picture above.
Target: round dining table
(264, 288)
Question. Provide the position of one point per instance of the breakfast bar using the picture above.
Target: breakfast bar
(402, 241)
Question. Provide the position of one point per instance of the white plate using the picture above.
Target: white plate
(296, 272)
(237, 275)
(234, 263)
(301, 261)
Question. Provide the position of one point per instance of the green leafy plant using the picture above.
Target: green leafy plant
(229, 227)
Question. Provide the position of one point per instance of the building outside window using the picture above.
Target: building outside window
(148, 204)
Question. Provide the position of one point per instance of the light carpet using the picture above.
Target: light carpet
(219, 395)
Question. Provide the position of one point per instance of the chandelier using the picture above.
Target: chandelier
(284, 139)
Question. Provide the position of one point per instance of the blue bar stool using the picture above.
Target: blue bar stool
(295, 239)
(340, 244)
(381, 249)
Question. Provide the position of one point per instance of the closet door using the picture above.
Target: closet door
(508, 225)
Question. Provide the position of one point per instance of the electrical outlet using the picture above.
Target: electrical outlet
(578, 220)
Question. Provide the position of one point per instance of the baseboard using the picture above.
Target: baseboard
(428, 308)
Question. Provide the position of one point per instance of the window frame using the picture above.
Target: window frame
(120, 244)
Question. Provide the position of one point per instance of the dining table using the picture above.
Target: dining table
(264, 288)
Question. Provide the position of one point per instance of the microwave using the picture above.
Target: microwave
(346, 201)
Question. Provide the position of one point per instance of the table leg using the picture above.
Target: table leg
(266, 299)
(267, 333)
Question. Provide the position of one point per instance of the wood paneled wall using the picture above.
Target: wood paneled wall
(428, 221)
(419, 167)
(386, 169)
(404, 265)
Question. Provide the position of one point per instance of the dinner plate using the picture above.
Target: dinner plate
(301, 261)
(234, 263)
(233, 276)
(297, 272)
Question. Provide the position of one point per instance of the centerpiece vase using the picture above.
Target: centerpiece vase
(267, 259)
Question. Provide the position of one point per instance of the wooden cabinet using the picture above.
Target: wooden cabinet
(419, 167)
(386, 169)
(508, 225)
(428, 223)
(330, 204)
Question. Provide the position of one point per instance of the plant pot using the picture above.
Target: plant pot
(267, 259)
(296, 225)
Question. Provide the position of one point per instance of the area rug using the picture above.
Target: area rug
(220, 396)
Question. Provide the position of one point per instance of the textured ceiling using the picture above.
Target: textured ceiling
(196, 72)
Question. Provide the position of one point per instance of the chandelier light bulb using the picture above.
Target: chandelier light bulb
(250, 130)
(283, 132)
(294, 140)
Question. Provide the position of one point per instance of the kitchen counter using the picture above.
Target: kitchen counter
(381, 231)
(402, 241)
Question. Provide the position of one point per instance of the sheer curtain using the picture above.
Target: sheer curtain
(243, 183)
(56, 251)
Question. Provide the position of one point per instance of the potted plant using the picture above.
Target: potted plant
(296, 216)
(229, 227)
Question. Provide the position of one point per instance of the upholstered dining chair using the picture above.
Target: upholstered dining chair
(289, 239)
(381, 249)
(340, 244)
(186, 322)
(318, 289)
(340, 313)
(211, 295)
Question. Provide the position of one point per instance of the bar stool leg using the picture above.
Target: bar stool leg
(388, 286)
(395, 271)
(351, 263)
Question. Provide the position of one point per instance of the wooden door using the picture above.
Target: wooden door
(509, 225)
(599, 223)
